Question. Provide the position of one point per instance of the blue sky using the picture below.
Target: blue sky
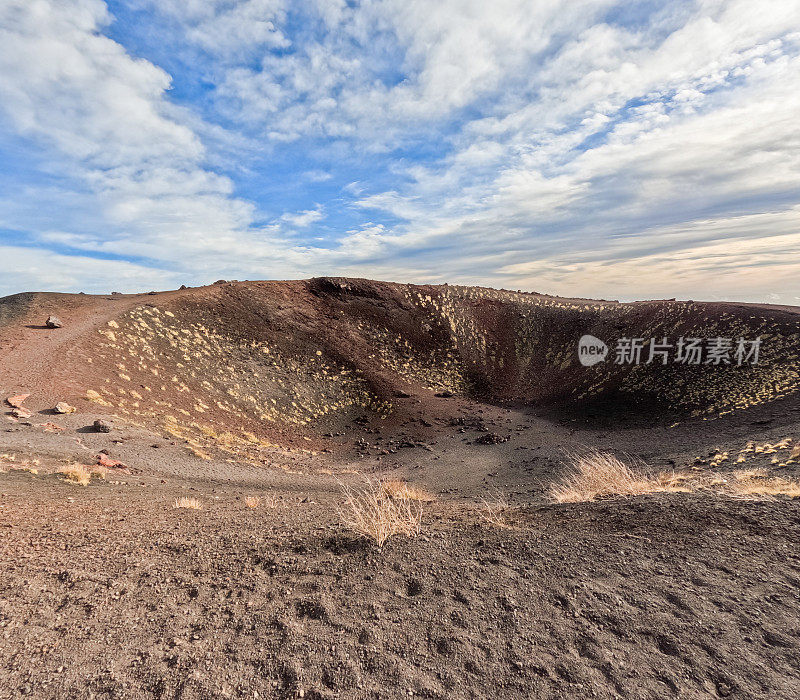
(582, 147)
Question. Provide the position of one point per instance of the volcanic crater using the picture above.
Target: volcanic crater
(262, 403)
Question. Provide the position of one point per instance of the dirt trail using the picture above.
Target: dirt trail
(32, 356)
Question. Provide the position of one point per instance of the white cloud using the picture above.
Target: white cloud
(33, 270)
(303, 219)
(576, 154)
(227, 28)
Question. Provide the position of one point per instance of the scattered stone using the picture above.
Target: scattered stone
(21, 413)
(63, 407)
(105, 461)
(53, 322)
(490, 439)
(16, 401)
(115, 293)
(102, 426)
(221, 282)
(444, 394)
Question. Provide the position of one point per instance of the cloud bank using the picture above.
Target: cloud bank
(585, 148)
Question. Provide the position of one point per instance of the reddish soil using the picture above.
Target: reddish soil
(284, 390)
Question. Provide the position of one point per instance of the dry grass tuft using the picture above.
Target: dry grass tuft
(188, 502)
(98, 472)
(496, 511)
(10, 462)
(597, 474)
(758, 482)
(377, 515)
(395, 488)
(674, 482)
(76, 474)
(750, 474)
(252, 501)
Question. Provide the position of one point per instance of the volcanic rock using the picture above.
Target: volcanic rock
(102, 426)
(105, 461)
(490, 439)
(16, 400)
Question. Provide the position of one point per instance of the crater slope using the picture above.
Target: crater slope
(241, 364)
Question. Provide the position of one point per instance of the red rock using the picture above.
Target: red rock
(16, 401)
(106, 461)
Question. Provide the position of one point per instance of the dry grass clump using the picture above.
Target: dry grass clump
(495, 511)
(596, 474)
(374, 513)
(252, 501)
(76, 474)
(10, 462)
(188, 502)
(758, 482)
(395, 488)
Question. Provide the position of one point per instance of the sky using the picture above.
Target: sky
(596, 148)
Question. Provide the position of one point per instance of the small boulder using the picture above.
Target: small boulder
(63, 407)
(21, 413)
(102, 426)
(16, 400)
(490, 439)
(105, 461)
(53, 322)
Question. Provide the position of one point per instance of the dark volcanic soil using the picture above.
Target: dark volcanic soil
(116, 594)
(286, 390)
